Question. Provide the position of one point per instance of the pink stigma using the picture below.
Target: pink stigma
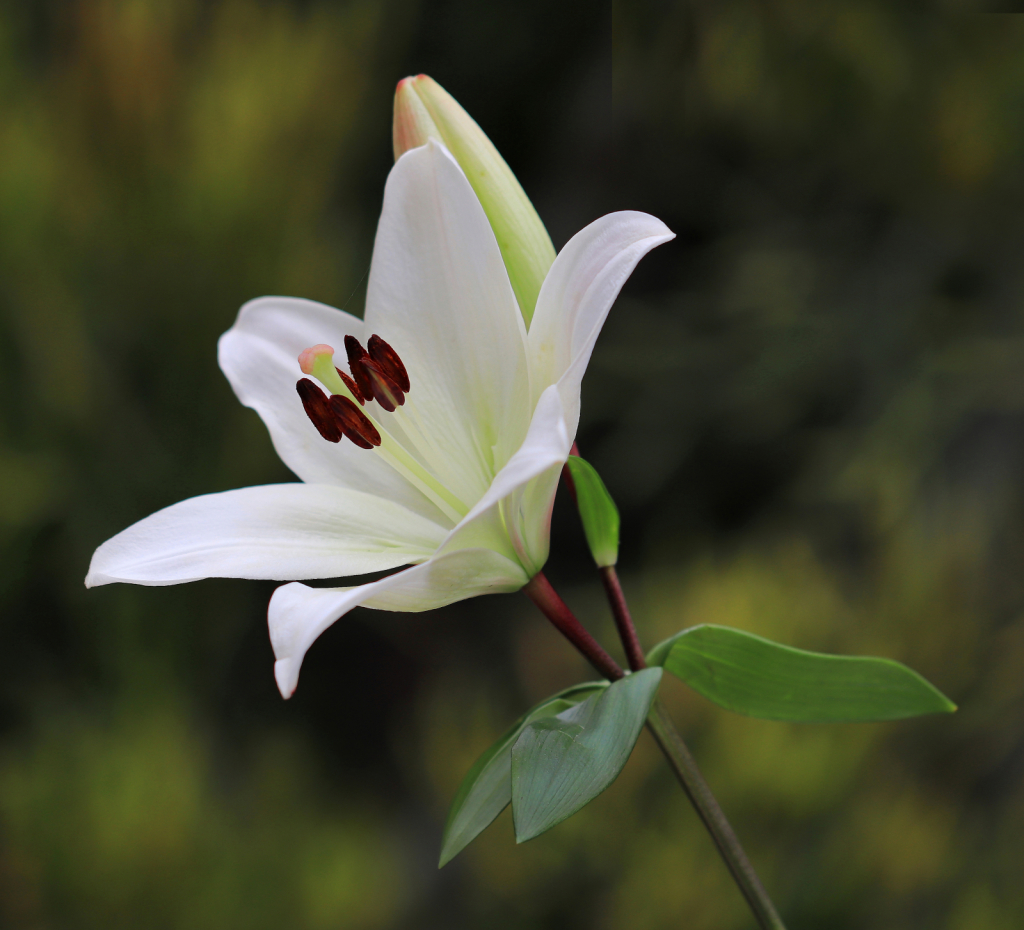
(308, 357)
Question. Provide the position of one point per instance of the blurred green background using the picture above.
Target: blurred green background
(810, 408)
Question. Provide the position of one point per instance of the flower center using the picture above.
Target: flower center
(378, 374)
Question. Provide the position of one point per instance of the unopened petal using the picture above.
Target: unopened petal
(577, 295)
(277, 532)
(424, 109)
(412, 124)
(298, 614)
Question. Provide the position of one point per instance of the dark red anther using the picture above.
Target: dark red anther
(354, 422)
(385, 391)
(319, 409)
(356, 353)
(382, 375)
(352, 386)
(389, 362)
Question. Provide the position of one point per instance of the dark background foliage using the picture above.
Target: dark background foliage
(810, 408)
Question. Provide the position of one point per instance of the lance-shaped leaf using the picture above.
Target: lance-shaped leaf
(597, 510)
(754, 676)
(487, 787)
(561, 763)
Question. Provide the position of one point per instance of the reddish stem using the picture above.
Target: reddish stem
(623, 620)
(539, 591)
(660, 725)
(567, 475)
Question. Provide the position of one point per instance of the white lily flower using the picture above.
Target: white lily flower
(452, 472)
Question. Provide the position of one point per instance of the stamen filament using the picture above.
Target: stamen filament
(424, 440)
(324, 371)
(319, 362)
(398, 457)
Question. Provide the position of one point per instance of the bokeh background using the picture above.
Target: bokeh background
(810, 408)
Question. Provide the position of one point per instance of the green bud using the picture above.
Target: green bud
(425, 110)
(598, 511)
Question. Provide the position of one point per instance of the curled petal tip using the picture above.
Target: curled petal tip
(286, 677)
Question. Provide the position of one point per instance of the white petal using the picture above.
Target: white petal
(578, 293)
(259, 355)
(298, 614)
(278, 531)
(439, 294)
(516, 510)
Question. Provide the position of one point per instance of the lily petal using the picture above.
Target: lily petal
(259, 356)
(440, 295)
(278, 531)
(516, 510)
(298, 614)
(577, 294)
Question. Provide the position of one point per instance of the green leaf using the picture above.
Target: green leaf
(561, 763)
(487, 787)
(597, 510)
(754, 676)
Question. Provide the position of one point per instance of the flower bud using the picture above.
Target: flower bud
(425, 110)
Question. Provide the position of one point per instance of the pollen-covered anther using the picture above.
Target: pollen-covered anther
(356, 353)
(354, 423)
(389, 361)
(319, 410)
(336, 416)
(352, 386)
(380, 373)
(386, 392)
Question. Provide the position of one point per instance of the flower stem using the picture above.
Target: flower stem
(539, 591)
(710, 813)
(689, 775)
(666, 736)
(623, 620)
(567, 475)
